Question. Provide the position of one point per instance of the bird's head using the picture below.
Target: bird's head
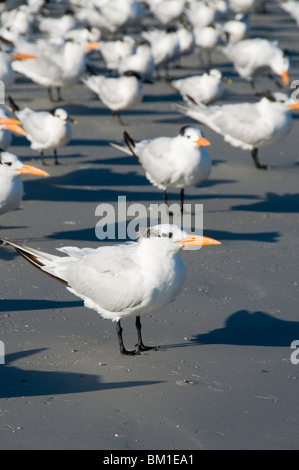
(175, 235)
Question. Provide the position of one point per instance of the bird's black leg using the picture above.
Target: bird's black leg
(254, 154)
(140, 345)
(57, 162)
(182, 200)
(59, 97)
(165, 197)
(277, 82)
(117, 114)
(42, 157)
(122, 348)
(50, 94)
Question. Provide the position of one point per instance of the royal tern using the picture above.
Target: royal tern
(165, 45)
(241, 6)
(11, 185)
(113, 52)
(201, 14)
(167, 11)
(45, 130)
(141, 62)
(253, 57)
(57, 26)
(249, 126)
(7, 55)
(172, 162)
(205, 88)
(236, 29)
(206, 39)
(124, 280)
(56, 69)
(117, 93)
(120, 14)
(292, 8)
(186, 40)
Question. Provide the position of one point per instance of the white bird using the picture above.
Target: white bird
(236, 29)
(58, 26)
(124, 280)
(45, 130)
(241, 6)
(292, 8)
(167, 11)
(7, 55)
(56, 69)
(111, 15)
(11, 185)
(172, 162)
(7, 127)
(141, 62)
(117, 93)
(206, 39)
(200, 14)
(165, 45)
(186, 40)
(205, 88)
(254, 57)
(249, 126)
(113, 52)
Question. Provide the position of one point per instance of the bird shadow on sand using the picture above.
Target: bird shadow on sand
(286, 203)
(20, 305)
(244, 328)
(17, 382)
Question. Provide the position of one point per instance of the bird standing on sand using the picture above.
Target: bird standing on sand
(172, 162)
(249, 126)
(117, 93)
(124, 280)
(44, 130)
(254, 57)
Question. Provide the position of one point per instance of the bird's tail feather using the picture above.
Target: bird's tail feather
(123, 148)
(13, 104)
(37, 258)
(131, 144)
(170, 84)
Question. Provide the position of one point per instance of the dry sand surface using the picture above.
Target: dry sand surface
(222, 378)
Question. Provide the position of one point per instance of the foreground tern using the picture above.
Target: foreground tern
(172, 162)
(124, 280)
(249, 126)
(11, 185)
(44, 130)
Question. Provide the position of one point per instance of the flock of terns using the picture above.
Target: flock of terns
(53, 51)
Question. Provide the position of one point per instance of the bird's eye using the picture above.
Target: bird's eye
(7, 163)
(170, 235)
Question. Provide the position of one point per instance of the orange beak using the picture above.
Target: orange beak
(32, 170)
(294, 105)
(12, 125)
(202, 142)
(285, 77)
(91, 46)
(21, 56)
(197, 240)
